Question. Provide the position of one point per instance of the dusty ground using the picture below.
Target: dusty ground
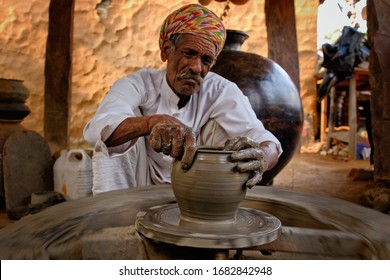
(324, 175)
(309, 172)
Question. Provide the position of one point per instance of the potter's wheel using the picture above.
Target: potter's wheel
(251, 228)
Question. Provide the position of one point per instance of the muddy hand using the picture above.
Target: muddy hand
(171, 137)
(249, 156)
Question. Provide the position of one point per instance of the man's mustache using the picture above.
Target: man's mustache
(189, 75)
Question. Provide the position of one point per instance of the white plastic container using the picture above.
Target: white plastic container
(73, 174)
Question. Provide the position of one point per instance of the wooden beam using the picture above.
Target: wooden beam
(378, 28)
(58, 73)
(281, 34)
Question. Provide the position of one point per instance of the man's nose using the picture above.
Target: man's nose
(195, 65)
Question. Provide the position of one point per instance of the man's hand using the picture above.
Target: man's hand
(252, 156)
(171, 137)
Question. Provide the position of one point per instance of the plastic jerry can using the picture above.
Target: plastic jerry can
(73, 174)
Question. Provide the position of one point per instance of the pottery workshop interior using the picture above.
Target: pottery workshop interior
(314, 73)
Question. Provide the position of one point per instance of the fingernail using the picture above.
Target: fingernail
(184, 166)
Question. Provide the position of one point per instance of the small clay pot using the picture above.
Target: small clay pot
(13, 94)
(211, 191)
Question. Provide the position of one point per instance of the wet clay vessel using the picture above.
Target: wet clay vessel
(211, 190)
(208, 213)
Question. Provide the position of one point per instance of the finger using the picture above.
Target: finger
(189, 149)
(166, 144)
(155, 139)
(166, 148)
(229, 143)
(234, 144)
(246, 154)
(257, 177)
(252, 165)
(177, 142)
(239, 143)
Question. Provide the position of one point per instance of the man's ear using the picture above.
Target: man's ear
(165, 50)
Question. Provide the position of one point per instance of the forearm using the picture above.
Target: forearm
(134, 127)
(129, 129)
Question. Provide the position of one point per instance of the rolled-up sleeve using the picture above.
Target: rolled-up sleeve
(122, 101)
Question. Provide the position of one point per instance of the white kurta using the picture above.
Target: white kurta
(220, 103)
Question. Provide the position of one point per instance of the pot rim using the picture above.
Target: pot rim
(212, 149)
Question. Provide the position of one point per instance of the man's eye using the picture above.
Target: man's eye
(207, 61)
(188, 53)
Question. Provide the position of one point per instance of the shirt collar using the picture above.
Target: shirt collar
(167, 93)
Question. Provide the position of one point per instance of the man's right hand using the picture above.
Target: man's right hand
(166, 134)
(171, 137)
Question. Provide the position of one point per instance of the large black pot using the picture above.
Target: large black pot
(271, 92)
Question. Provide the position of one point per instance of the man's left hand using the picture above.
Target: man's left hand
(252, 156)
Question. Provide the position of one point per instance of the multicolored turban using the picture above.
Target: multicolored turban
(194, 19)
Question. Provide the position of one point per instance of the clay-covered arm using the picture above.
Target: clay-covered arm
(166, 134)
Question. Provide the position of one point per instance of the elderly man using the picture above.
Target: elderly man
(151, 117)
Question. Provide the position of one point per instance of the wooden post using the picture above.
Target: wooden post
(352, 119)
(58, 73)
(324, 119)
(379, 39)
(331, 118)
(282, 36)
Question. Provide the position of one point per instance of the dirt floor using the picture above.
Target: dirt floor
(313, 173)
(326, 175)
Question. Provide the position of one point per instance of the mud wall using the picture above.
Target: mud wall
(110, 46)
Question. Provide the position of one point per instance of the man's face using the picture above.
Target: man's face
(188, 63)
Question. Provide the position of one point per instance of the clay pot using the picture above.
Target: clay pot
(211, 190)
(13, 94)
(271, 92)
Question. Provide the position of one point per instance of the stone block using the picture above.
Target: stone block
(118, 243)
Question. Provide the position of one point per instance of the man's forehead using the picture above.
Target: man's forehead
(198, 44)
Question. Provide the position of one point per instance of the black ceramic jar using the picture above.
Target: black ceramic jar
(271, 92)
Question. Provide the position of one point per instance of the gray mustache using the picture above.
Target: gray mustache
(189, 75)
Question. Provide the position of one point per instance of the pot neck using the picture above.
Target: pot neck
(235, 39)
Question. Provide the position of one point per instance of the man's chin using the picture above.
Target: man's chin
(189, 89)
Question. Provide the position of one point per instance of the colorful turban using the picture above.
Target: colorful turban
(194, 19)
